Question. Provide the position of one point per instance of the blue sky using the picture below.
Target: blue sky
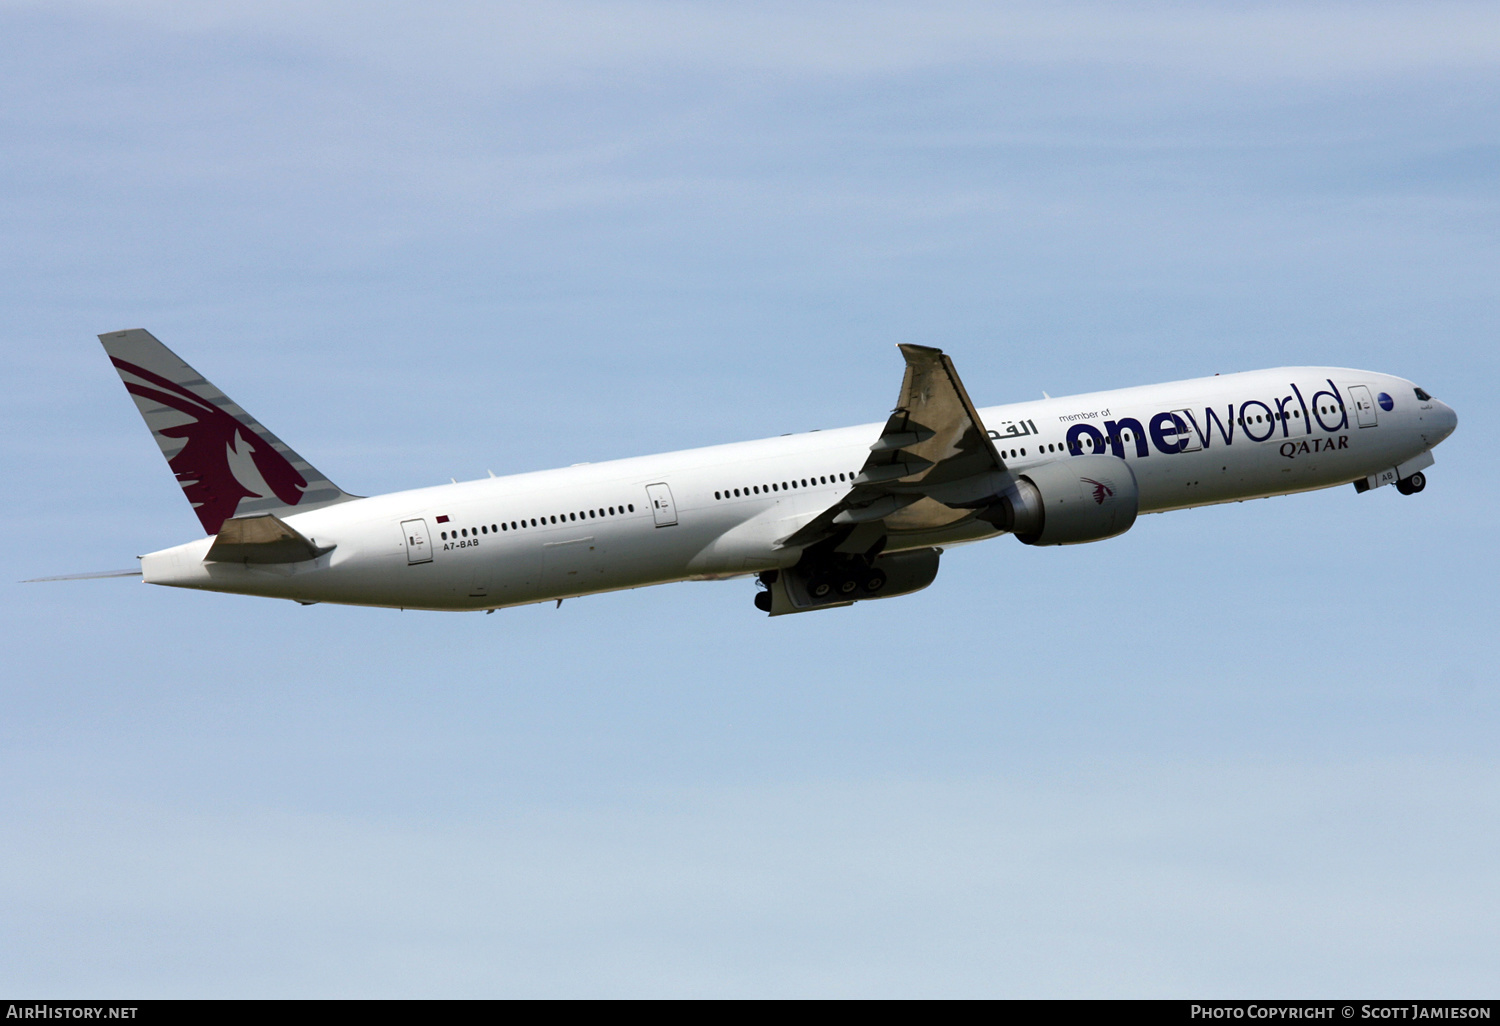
(1243, 750)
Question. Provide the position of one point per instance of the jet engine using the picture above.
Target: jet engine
(1069, 501)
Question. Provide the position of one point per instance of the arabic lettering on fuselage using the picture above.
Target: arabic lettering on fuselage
(1014, 429)
(1184, 430)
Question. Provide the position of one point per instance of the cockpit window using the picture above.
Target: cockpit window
(1422, 395)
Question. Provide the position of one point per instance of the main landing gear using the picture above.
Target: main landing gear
(839, 584)
(830, 578)
(1412, 485)
(850, 583)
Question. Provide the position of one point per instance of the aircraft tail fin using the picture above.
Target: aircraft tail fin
(227, 463)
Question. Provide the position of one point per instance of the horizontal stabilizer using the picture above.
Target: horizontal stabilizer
(262, 539)
(96, 575)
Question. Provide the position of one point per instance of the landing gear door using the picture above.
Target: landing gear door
(1364, 408)
(418, 541)
(662, 506)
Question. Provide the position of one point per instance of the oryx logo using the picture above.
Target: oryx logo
(222, 458)
(1102, 491)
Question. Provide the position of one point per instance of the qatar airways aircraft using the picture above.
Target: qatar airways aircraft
(822, 519)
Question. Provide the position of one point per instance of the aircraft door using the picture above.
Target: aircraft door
(418, 541)
(1364, 408)
(1185, 433)
(662, 506)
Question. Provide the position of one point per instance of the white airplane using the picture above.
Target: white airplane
(823, 519)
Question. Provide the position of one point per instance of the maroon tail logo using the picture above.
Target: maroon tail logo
(1102, 491)
(202, 467)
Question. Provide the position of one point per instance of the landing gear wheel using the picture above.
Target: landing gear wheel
(873, 582)
(763, 601)
(820, 588)
(1412, 485)
(849, 585)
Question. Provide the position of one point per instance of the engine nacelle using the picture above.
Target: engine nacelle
(1069, 501)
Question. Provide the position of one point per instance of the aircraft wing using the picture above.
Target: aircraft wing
(932, 465)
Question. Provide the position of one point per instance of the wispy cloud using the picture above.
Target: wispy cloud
(533, 43)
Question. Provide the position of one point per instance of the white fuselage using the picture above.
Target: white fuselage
(598, 528)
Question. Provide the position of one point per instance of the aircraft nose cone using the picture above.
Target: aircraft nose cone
(1444, 420)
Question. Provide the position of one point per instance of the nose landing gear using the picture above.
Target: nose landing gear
(1412, 485)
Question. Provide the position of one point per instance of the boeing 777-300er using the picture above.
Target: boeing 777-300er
(822, 519)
